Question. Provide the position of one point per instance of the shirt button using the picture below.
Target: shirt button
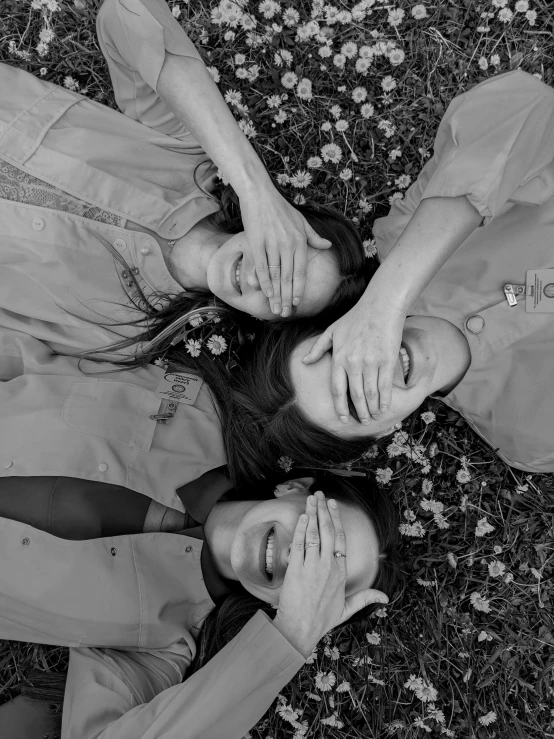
(120, 244)
(188, 549)
(475, 324)
(145, 250)
(103, 467)
(113, 551)
(38, 224)
(25, 542)
(8, 464)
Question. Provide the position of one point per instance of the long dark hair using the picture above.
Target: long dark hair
(158, 313)
(225, 621)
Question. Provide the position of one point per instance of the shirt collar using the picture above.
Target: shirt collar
(199, 497)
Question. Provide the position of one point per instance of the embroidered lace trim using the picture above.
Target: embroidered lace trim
(21, 187)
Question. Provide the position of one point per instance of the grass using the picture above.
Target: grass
(474, 625)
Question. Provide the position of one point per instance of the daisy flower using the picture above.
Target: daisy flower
(349, 49)
(233, 97)
(70, 83)
(331, 153)
(496, 568)
(341, 125)
(290, 17)
(247, 127)
(383, 476)
(370, 250)
(304, 89)
(325, 681)
(301, 179)
(463, 476)
(419, 12)
(488, 718)
(428, 416)
(522, 6)
(214, 74)
(426, 692)
(396, 16)
(415, 529)
(505, 15)
(483, 63)
(287, 713)
(289, 80)
(285, 463)
(324, 51)
(268, 8)
(346, 174)
(273, 101)
(531, 16)
(359, 94)
(280, 117)
(326, 126)
(332, 720)
(314, 163)
(367, 110)
(362, 65)
(396, 57)
(479, 602)
(366, 52)
(373, 638)
(344, 687)
(193, 347)
(339, 60)
(388, 83)
(216, 344)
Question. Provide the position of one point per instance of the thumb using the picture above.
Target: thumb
(314, 239)
(322, 345)
(252, 278)
(361, 599)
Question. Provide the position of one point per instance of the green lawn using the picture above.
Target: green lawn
(468, 649)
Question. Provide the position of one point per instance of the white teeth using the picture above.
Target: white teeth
(404, 356)
(269, 554)
(237, 272)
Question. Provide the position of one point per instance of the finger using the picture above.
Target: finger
(299, 274)
(322, 345)
(339, 388)
(262, 273)
(361, 599)
(371, 394)
(340, 534)
(252, 278)
(314, 239)
(274, 268)
(287, 267)
(384, 386)
(356, 390)
(296, 557)
(313, 539)
(326, 526)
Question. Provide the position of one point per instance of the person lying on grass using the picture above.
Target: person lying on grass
(119, 205)
(461, 307)
(232, 596)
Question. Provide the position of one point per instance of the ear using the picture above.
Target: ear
(298, 485)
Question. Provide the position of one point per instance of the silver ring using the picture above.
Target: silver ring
(311, 544)
(339, 554)
(274, 266)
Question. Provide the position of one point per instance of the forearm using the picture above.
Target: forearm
(188, 90)
(436, 229)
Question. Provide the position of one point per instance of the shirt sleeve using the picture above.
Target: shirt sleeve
(493, 141)
(119, 695)
(134, 36)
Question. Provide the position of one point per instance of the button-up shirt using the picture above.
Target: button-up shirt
(495, 145)
(128, 607)
(55, 272)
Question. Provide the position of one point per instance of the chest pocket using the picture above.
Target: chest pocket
(115, 410)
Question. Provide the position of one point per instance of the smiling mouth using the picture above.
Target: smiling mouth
(405, 359)
(235, 275)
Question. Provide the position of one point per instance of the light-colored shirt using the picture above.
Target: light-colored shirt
(128, 606)
(55, 272)
(495, 145)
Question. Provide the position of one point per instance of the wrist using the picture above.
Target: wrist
(301, 643)
(251, 178)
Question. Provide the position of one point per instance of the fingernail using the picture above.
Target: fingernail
(332, 503)
(365, 421)
(311, 499)
(384, 408)
(344, 419)
(296, 301)
(269, 292)
(376, 416)
(277, 309)
(303, 518)
(320, 495)
(285, 312)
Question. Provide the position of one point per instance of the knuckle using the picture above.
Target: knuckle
(286, 278)
(328, 526)
(300, 273)
(356, 394)
(340, 535)
(336, 392)
(298, 545)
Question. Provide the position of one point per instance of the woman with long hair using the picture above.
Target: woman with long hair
(111, 223)
(232, 595)
(461, 306)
